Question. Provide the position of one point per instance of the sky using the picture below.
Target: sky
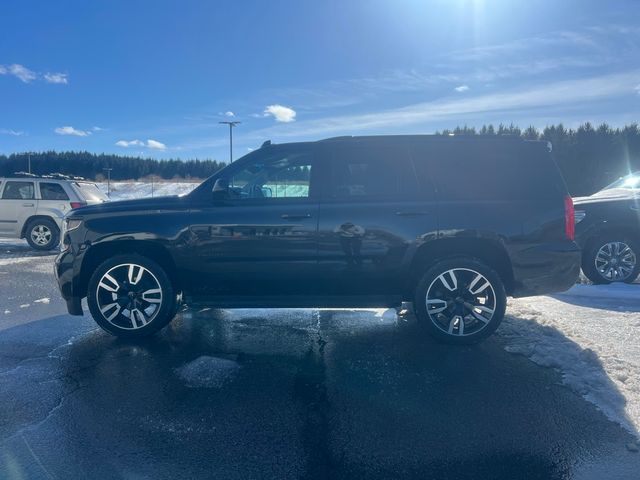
(154, 78)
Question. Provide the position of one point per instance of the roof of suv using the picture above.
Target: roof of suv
(432, 138)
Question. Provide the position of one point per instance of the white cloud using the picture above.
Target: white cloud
(155, 145)
(19, 71)
(13, 133)
(27, 75)
(152, 144)
(131, 143)
(56, 78)
(98, 129)
(462, 88)
(71, 131)
(637, 89)
(280, 113)
(229, 114)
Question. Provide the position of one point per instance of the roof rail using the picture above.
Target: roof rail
(51, 176)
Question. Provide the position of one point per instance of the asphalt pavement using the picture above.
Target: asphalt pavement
(278, 394)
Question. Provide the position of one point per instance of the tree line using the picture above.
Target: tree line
(91, 166)
(590, 157)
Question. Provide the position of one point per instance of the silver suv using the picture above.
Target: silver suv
(33, 207)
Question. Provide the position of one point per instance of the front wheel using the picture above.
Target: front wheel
(612, 258)
(460, 300)
(131, 296)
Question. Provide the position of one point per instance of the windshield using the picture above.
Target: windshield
(630, 181)
(90, 192)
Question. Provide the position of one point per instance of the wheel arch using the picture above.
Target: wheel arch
(100, 252)
(609, 230)
(23, 232)
(488, 251)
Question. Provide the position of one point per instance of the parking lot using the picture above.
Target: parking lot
(287, 394)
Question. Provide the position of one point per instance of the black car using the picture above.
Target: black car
(608, 230)
(452, 224)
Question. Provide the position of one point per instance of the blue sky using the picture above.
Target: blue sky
(153, 78)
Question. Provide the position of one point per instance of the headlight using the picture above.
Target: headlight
(71, 224)
(67, 225)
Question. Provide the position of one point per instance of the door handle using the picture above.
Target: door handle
(27, 204)
(289, 216)
(411, 214)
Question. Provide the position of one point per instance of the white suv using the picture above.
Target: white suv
(33, 207)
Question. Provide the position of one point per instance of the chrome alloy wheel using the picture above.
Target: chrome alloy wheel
(461, 302)
(615, 261)
(129, 296)
(41, 235)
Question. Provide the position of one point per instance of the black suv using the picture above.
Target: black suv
(608, 230)
(452, 224)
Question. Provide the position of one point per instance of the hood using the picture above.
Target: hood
(610, 195)
(137, 205)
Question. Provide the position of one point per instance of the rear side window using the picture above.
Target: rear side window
(489, 171)
(90, 192)
(18, 191)
(372, 172)
(52, 191)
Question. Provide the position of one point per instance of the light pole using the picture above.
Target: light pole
(231, 125)
(29, 157)
(108, 170)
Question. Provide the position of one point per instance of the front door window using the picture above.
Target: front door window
(278, 176)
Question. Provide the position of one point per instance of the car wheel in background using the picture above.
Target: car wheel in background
(460, 300)
(612, 258)
(42, 234)
(131, 296)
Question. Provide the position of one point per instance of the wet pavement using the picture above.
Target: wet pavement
(278, 394)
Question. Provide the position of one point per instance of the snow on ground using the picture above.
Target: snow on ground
(131, 190)
(589, 334)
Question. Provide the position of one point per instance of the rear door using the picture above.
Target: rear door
(53, 200)
(373, 214)
(17, 204)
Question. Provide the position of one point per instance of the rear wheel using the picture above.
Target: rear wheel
(131, 296)
(42, 234)
(460, 300)
(612, 258)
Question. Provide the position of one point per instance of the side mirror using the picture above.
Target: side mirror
(220, 189)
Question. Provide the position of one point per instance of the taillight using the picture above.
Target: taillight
(75, 205)
(569, 218)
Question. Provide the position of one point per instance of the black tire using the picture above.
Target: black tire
(464, 324)
(589, 258)
(132, 325)
(42, 234)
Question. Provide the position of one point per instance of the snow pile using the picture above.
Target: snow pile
(132, 190)
(208, 372)
(589, 334)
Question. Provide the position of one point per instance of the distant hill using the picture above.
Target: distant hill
(90, 166)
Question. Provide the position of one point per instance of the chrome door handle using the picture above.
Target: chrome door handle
(27, 204)
(411, 214)
(288, 216)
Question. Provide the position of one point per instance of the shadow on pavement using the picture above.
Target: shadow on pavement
(286, 394)
(620, 297)
(21, 249)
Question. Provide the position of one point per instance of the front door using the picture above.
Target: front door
(260, 238)
(17, 204)
(373, 213)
